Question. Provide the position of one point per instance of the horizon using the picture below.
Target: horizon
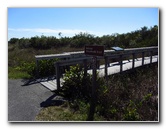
(58, 37)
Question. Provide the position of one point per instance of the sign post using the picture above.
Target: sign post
(93, 51)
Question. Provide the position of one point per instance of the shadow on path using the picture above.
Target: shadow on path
(27, 82)
(53, 100)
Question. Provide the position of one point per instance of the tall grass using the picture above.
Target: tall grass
(20, 59)
(129, 96)
(132, 95)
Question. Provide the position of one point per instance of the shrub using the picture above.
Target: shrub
(76, 85)
(45, 68)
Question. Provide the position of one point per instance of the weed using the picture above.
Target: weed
(131, 113)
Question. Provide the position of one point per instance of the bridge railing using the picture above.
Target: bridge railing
(131, 52)
(80, 57)
(109, 54)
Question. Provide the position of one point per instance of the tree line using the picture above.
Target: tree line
(143, 37)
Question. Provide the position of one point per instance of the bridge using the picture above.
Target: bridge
(111, 63)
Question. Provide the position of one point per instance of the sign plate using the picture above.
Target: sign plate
(117, 48)
(94, 50)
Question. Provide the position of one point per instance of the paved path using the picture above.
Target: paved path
(25, 102)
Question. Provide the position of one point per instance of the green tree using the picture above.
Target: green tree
(13, 40)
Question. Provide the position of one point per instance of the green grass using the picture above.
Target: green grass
(16, 57)
(14, 73)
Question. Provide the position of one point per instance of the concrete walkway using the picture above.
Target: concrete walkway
(25, 101)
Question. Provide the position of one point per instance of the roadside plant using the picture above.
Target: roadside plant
(76, 85)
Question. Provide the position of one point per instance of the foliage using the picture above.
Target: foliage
(76, 85)
(82, 39)
(46, 67)
(131, 113)
(13, 40)
(125, 97)
(144, 37)
(17, 74)
(30, 68)
(130, 96)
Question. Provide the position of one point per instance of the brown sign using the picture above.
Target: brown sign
(94, 50)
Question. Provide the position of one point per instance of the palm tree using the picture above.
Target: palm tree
(60, 34)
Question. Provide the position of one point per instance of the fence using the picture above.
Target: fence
(109, 54)
(134, 52)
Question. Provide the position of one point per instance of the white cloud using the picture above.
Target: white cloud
(28, 32)
(44, 30)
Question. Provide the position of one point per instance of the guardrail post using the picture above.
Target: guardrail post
(57, 75)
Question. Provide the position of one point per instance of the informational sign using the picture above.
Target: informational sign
(94, 50)
(117, 48)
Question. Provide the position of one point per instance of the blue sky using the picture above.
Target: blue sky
(28, 22)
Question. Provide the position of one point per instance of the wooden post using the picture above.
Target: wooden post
(98, 64)
(106, 65)
(58, 75)
(151, 54)
(94, 96)
(143, 58)
(121, 64)
(85, 67)
(133, 60)
(37, 69)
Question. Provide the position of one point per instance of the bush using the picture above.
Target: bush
(75, 85)
(45, 68)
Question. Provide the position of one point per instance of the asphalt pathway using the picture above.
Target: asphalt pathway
(25, 101)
